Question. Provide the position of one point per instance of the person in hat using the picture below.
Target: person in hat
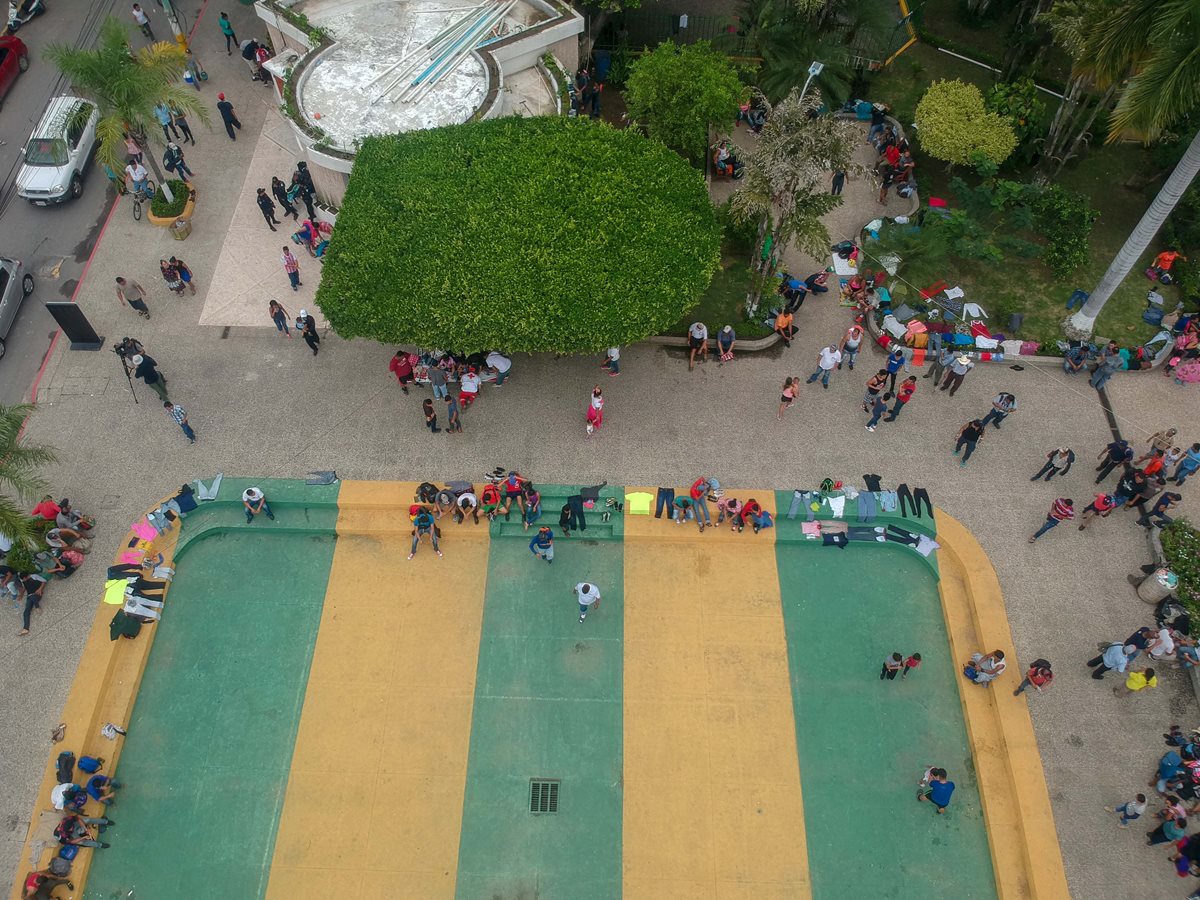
(726, 338)
(958, 371)
(144, 368)
(697, 343)
(267, 206)
(228, 116)
(307, 326)
(542, 544)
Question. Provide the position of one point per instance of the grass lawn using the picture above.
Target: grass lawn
(725, 298)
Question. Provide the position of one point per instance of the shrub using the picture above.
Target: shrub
(953, 125)
(542, 234)
(164, 210)
(1181, 547)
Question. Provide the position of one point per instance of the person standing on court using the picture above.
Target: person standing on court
(291, 266)
(133, 295)
(268, 209)
(307, 326)
(941, 362)
(970, 435)
(895, 362)
(827, 360)
(179, 414)
(1058, 462)
(697, 343)
(588, 596)
(1002, 405)
(228, 116)
(401, 367)
(542, 544)
(226, 26)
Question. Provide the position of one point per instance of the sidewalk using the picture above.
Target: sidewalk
(263, 405)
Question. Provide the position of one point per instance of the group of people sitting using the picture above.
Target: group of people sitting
(67, 535)
(895, 164)
(691, 505)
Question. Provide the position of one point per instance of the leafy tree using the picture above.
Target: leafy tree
(19, 462)
(787, 42)
(542, 234)
(953, 125)
(784, 187)
(1019, 102)
(126, 85)
(678, 92)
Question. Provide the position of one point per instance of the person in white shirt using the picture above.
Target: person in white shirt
(467, 503)
(135, 174)
(143, 21)
(588, 596)
(697, 343)
(255, 502)
(612, 361)
(500, 364)
(468, 388)
(827, 360)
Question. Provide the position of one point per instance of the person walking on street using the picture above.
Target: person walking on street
(849, 347)
(895, 362)
(174, 162)
(279, 316)
(1058, 462)
(959, 367)
(542, 544)
(170, 274)
(307, 326)
(1003, 404)
(162, 114)
(878, 408)
(892, 666)
(226, 27)
(1160, 443)
(268, 209)
(1039, 677)
(1112, 658)
(908, 387)
(588, 596)
(144, 368)
(291, 266)
(697, 343)
(430, 414)
(1157, 515)
(179, 120)
(1116, 453)
(401, 367)
(179, 414)
(875, 386)
(1061, 510)
(34, 586)
(788, 397)
(143, 21)
(1189, 464)
(1130, 810)
(228, 116)
(970, 435)
(185, 274)
(612, 361)
(1100, 507)
(940, 364)
(279, 191)
(453, 420)
(827, 360)
(133, 295)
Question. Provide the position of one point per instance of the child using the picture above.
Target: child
(430, 415)
(1130, 809)
(891, 666)
(913, 662)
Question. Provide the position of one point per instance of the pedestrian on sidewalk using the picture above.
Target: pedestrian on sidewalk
(878, 408)
(268, 209)
(1130, 488)
(1003, 404)
(307, 326)
(612, 361)
(1130, 810)
(895, 362)
(788, 397)
(401, 367)
(279, 191)
(185, 273)
(179, 414)
(1160, 442)
(849, 346)
(1058, 462)
(424, 527)
(940, 364)
(875, 385)
(144, 368)
(940, 790)
(827, 360)
(908, 387)
(542, 544)
(308, 190)
(228, 116)
(170, 274)
(226, 27)
(163, 114)
(1116, 453)
(784, 327)
(595, 411)
(254, 501)
(279, 316)
(1189, 464)
(34, 587)
(437, 381)
(838, 181)
(697, 343)
(143, 21)
(1039, 677)
(453, 420)
(430, 414)
(1101, 506)
(970, 435)
(1110, 361)
(588, 596)
(291, 266)
(1061, 510)
(180, 121)
(174, 162)
(892, 667)
(959, 367)
(1157, 515)
(1112, 658)
(1137, 680)
(911, 664)
(133, 295)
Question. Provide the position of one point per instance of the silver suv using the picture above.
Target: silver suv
(58, 152)
(15, 285)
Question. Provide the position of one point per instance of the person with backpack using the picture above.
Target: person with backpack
(1038, 677)
(75, 831)
(1003, 404)
(424, 527)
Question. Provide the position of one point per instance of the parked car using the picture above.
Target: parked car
(15, 285)
(58, 152)
(14, 59)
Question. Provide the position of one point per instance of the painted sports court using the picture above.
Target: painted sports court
(318, 717)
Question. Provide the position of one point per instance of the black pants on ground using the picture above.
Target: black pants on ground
(920, 495)
(308, 204)
(187, 132)
(32, 602)
(271, 222)
(1105, 469)
(889, 674)
(892, 380)
(1049, 470)
(167, 134)
(1097, 664)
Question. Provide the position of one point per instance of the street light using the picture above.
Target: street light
(813, 71)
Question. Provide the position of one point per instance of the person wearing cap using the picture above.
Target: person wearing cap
(697, 343)
(499, 364)
(424, 527)
(725, 341)
(307, 326)
(255, 502)
(958, 371)
(144, 368)
(1058, 462)
(542, 544)
(228, 116)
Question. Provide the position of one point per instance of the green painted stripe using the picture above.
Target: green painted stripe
(863, 743)
(547, 704)
(206, 762)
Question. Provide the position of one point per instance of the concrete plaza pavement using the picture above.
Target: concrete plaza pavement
(263, 405)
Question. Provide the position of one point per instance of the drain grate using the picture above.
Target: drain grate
(543, 795)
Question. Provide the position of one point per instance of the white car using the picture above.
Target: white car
(58, 152)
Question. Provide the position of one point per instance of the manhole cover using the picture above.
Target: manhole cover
(543, 795)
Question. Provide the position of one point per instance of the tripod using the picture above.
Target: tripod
(128, 376)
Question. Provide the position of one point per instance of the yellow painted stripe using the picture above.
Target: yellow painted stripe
(386, 722)
(712, 783)
(1012, 784)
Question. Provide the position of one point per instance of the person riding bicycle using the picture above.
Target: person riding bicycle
(136, 176)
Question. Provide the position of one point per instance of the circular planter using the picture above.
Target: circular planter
(186, 213)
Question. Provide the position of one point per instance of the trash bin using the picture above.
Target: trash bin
(1157, 585)
(181, 229)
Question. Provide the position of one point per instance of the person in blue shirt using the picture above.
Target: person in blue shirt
(1117, 453)
(939, 790)
(895, 362)
(542, 544)
(1189, 464)
(1074, 360)
(102, 788)
(423, 526)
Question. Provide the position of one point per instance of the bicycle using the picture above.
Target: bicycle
(145, 195)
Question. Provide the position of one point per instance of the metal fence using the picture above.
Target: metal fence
(637, 28)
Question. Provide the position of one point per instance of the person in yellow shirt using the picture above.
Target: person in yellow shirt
(1136, 680)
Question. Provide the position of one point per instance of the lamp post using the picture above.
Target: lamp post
(813, 71)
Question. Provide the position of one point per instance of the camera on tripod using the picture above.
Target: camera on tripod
(128, 348)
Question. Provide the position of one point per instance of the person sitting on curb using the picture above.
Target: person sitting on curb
(255, 502)
(424, 527)
(983, 669)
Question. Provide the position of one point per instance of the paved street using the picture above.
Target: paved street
(263, 405)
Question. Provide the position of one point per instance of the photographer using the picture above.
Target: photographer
(144, 368)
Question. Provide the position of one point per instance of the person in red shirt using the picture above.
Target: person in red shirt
(910, 664)
(401, 367)
(751, 510)
(1061, 510)
(1163, 262)
(1038, 677)
(892, 154)
(699, 494)
(47, 509)
(908, 387)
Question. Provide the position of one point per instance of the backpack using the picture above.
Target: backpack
(60, 867)
(65, 767)
(827, 485)
(426, 492)
(90, 764)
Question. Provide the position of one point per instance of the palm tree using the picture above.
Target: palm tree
(126, 85)
(787, 41)
(19, 463)
(1157, 40)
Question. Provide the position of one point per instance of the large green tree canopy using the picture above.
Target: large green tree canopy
(523, 234)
